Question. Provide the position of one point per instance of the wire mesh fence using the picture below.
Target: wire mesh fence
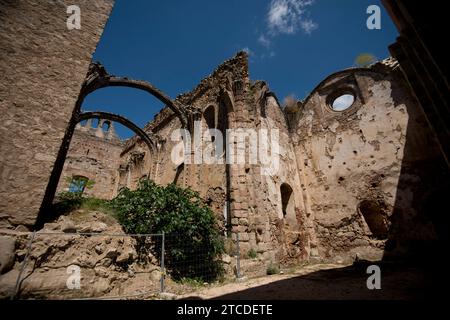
(60, 265)
(194, 259)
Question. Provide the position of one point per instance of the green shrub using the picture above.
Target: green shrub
(252, 254)
(95, 204)
(272, 269)
(194, 283)
(67, 201)
(230, 247)
(365, 59)
(193, 243)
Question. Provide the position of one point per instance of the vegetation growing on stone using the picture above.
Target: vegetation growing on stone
(365, 59)
(252, 254)
(290, 104)
(70, 201)
(272, 269)
(188, 223)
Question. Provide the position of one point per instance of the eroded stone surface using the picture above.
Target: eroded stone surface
(7, 249)
(43, 67)
(349, 182)
(367, 181)
(108, 265)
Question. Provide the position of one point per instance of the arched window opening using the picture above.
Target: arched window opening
(375, 218)
(287, 202)
(341, 100)
(179, 175)
(210, 117)
(264, 103)
(77, 184)
(106, 126)
(95, 122)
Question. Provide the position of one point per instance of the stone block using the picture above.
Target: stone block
(7, 255)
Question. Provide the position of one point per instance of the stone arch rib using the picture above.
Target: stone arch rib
(151, 143)
(98, 78)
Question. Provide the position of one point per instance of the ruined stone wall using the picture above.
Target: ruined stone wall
(94, 154)
(280, 196)
(370, 168)
(208, 180)
(137, 161)
(244, 199)
(43, 65)
(358, 181)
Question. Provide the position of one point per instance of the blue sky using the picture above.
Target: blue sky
(293, 45)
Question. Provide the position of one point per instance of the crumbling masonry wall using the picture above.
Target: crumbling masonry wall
(351, 182)
(369, 170)
(244, 200)
(94, 154)
(43, 65)
(367, 181)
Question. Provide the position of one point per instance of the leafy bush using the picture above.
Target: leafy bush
(67, 201)
(193, 244)
(73, 199)
(252, 254)
(365, 60)
(193, 283)
(95, 204)
(272, 269)
(70, 201)
(290, 104)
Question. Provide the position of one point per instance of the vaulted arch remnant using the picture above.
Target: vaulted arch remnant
(98, 78)
(149, 140)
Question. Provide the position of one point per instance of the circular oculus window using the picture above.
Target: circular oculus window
(343, 102)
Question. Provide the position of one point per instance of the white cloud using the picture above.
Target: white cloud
(277, 16)
(289, 16)
(247, 49)
(308, 26)
(286, 17)
(264, 40)
(268, 55)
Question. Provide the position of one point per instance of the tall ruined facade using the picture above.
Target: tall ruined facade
(354, 181)
(363, 180)
(43, 66)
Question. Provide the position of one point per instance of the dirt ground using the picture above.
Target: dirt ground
(323, 282)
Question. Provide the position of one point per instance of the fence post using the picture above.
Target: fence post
(24, 264)
(162, 262)
(238, 257)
